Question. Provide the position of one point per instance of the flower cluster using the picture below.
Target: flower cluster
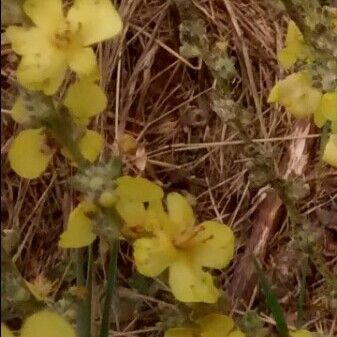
(298, 92)
(165, 239)
(49, 46)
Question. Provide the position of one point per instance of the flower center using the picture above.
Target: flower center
(65, 35)
(185, 238)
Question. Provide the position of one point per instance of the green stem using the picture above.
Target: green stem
(111, 286)
(301, 297)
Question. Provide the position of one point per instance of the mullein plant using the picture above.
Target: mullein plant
(163, 231)
(311, 91)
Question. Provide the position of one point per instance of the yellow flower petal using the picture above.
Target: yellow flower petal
(300, 333)
(79, 232)
(215, 325)
(99, 20)
(180, 211)
(297, 95)
(295, 47)
(82, 61)
(91, 145)
(153, 255)
(181, 332)
(286, 58)
(237, 333)
(5, 332)
(26, 41)
(329, 106)
(213, 246)
(330, 151)
(190, 283)
(28, 155)
(85, 99)
(127, 144)
(138, 189)
(46, 324)
(133, 213)
(47, 15)
(43, 71)
(319, 118)
(19, 113)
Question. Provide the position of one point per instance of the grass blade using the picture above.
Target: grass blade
(111, 286)
(272, 302)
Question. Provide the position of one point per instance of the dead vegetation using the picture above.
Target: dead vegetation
(163, 100)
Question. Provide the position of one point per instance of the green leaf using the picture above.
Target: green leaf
(272, 302)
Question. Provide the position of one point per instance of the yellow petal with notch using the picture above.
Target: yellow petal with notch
(46, 324)
(213, 246)
(98, 18)
(84, 100)
(79, 232)
(28, 154)
(189, 283)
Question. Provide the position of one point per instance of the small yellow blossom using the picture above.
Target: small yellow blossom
(330, 151)
(28, 154)
(183, 248)
(57, 41)
(44, 323)
(297, 95)
(212, 325)
(80, 227)
(295, 49)
(127, 144)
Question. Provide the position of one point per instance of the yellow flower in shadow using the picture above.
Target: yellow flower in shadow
(183, 248)
(297, 95)
(44, 323)
(58, 41)
(212, 325)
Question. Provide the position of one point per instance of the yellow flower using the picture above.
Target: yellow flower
(44, 323)
(297, 95)
(212, 325)
(300, 333)
(330, 151)
(327, 110)
(295, 47)
(183, 248)
(80, 227)
(29, 154)
(57, 41)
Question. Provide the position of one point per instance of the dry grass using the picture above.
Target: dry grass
(163, 100)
